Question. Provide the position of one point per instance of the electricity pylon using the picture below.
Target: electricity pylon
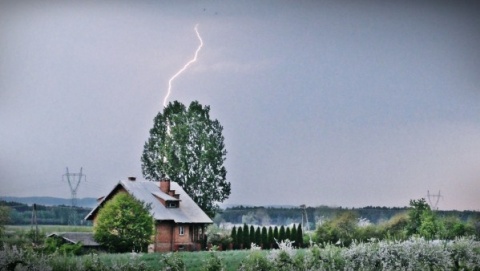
(305, 225)
(74, 180)
(431, 199)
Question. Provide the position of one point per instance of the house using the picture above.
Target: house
(179, 222)
(84, 238)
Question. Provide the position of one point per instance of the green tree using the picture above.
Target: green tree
(340, 229)
(453, 227)
(258, 236)
(396, 227)
(264, 237)
(288, 234)
(281, 234)
(4, 218)
(293, 235)
(233, 234)
(299, 239)
(187, 147)
(246, 237)
(429, 226)
(252, 235)
(124, 224)
(271, 237)
(239, 238)
(417, 208)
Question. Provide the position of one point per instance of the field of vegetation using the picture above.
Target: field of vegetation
(21, 214)
(416, 239)
(412, 254)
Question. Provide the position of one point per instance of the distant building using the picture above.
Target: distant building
(84, 238)
(179, 222)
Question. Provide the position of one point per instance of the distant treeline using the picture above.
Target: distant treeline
(288, 216)
(23, 214)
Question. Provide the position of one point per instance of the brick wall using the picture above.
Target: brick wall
(168, 237)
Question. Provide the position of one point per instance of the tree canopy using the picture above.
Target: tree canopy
(415, 214)
(4, 218)
(187, 147)
(124, 224)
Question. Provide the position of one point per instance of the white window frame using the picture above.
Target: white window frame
(181, 230)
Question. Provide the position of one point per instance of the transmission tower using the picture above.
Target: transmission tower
(74, 180)
(433, 199)
(305, 225)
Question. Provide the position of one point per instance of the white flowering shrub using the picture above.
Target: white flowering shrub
(254, 247)
(13, 258)
(413, 254)
(465, 253)
(362, 256)
(283, 257)
(255, 260)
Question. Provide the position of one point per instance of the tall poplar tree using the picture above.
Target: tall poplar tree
(281, 234)
(187, 147)
(246, 237)
(239, 243)
(233, 234)
(252, 235)
(293, 235)
(299, 239)
(264, 238)
(258, 236)
(271, 238)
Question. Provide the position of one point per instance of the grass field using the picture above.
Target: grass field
(47, 229)
(231, 260)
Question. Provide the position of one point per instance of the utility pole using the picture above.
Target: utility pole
(34, 222)
(74, 180)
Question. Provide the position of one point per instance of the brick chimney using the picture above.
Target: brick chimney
(165, 185)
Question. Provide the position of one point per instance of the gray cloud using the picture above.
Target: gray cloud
(322, 103)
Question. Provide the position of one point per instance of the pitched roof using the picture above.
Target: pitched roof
(86, 238)
(149, 192)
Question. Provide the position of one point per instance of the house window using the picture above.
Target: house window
(181, 230)
(172, 204)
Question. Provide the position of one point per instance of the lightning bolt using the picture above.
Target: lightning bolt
(184, 67)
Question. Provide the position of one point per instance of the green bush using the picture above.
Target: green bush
(70, 249)
(173, 262)
(213, 263)
(13, 258)
(255, 261)
(217, 236)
